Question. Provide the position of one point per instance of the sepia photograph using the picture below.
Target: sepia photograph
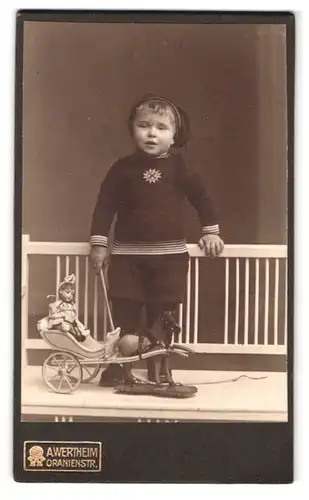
(154, 221)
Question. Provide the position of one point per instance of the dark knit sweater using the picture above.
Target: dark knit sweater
(148, 195)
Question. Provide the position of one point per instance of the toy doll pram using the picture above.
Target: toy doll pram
(73, 362)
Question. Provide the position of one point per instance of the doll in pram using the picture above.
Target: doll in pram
(62, 313)
(77, 357)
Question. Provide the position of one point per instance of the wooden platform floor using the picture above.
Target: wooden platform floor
(262, 397)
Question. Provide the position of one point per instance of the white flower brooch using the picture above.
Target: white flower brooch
(152, 175)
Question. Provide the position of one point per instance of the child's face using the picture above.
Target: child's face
(67, 294)
(153, 132)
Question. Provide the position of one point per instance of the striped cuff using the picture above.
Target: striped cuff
(214, 229)
(97, 240)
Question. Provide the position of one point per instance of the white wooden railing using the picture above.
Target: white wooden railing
(269, 277)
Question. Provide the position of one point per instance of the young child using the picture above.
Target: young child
(149, 258)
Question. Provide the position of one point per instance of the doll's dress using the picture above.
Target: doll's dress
(67, 313)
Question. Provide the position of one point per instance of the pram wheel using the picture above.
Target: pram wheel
(89, 372)
(62, 372)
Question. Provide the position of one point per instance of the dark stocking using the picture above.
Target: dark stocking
(126, 315)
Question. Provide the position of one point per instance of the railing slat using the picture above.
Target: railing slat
(236, 303)
(276, 301)
(188, 304)
(95, 308)
(180, 321)
(226, 313)
(196, 300)
(105, 320)
(67, 265)
(266, 302)
(86, 291)
(58, 275)
(246, 322)
(24, 301)
(256, 301)
(77, 284)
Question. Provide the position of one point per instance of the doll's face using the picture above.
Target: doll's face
(154, 132)
(67, 294)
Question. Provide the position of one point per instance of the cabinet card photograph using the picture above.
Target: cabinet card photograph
(152, 177)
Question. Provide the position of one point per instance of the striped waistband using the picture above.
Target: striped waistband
(149, 247)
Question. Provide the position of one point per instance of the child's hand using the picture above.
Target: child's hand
(212, 244)
(98, 255)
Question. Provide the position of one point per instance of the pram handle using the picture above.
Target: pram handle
(109, 312)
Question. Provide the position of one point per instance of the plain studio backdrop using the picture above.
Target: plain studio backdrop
(79, 82)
